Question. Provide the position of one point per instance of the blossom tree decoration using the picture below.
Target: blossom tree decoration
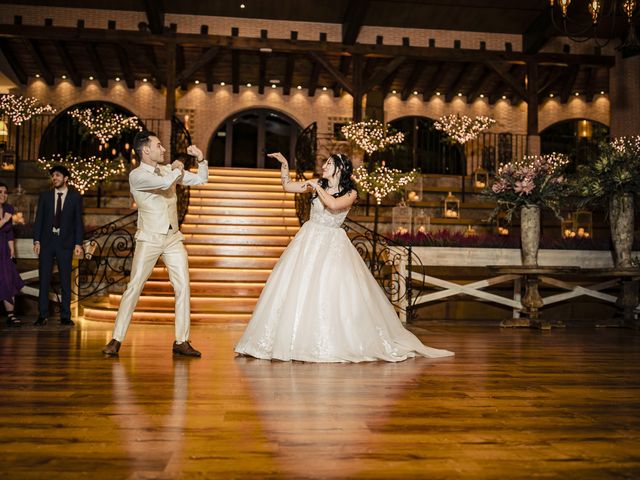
(20, 109)
(461, 128)
(534, 180)
(382, 180)
(104, 123)
(371, 135)
(86, 173)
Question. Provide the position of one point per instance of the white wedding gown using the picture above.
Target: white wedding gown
(321, 304)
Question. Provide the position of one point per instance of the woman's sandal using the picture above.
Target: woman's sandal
(13, 321)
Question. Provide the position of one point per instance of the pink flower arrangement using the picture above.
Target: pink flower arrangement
(534, 180)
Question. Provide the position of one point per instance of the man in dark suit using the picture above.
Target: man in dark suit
(57, 234)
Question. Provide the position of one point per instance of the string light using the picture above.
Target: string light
(86, 173)
(382, 180)
(104, 123)
(461, 128)
(371, 135)
(20, 109)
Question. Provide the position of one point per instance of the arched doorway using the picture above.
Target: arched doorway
(426, 148)
(244, 139)
(576, 138)
(64, 135)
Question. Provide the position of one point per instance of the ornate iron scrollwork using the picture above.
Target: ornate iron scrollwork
(390, 263)
(107, 259)
(180, 140)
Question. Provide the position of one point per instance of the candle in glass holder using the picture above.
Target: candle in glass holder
(581, 232)
(479, 184)
(422, 229)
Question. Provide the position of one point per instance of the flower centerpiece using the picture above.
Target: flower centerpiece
(613, 180)
(526, 186)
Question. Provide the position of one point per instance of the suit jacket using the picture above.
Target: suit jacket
(71, 229)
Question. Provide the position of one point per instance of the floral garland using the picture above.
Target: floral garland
(461, 128)
(104, 123)
(382, 180)
(371, 135)
(534, 180)
(85, 172)
(20, 109)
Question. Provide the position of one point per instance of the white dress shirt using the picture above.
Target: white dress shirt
(155, 195)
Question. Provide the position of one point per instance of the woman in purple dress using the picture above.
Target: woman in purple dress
(10, 281)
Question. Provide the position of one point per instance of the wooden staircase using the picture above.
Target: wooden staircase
(236, 228)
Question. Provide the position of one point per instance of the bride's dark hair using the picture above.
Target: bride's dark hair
(346, 183)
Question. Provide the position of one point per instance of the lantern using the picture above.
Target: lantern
(451, 207)
(480, 179)
(421, 223)
(414, 189)
(401, 220)
(583, 224)
(567, 227)
(502, 226)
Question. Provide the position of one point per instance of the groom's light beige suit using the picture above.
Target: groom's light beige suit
(154, 192)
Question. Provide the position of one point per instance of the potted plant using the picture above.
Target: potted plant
(524, 187)
(613, 180)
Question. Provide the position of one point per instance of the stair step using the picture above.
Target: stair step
(233, 186)
(194, 228)
(240, 202)
(236, 240)
(245, 172)
(218, 274)
(109, 315)
(236, 251)
(242, 211)
(198, 304)
(244, 180)
(211, 219)
(235, 289)
(196, 261)
(275, 195)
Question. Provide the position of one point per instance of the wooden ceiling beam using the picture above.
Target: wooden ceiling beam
(591, 83)
(431, 54)
(180, 67)
(381, 74)
(431, 86)
(262, 73)
(208, 56)
(96, 63)
(125, 65)
(155, 15)
(412, 80)
(235, 71)
(34, 50)
(353, 20)
(151, 60)
(288, 74)
(504, 73)
(457, 83)
(68, 63)
(539, 32)
(332, 71)
(567, 88)
(498, 89)
(479, 88)
(18, 71)
(313, 78)
(545, 87)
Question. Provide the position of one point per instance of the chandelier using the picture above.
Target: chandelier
(579, 27)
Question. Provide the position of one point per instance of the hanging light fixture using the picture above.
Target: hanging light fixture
(574, 24)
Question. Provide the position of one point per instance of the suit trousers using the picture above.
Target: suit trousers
(64, 258)
(145, 257)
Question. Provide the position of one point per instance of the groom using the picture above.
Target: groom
(153, 186)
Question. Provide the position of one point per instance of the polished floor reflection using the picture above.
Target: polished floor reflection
(511, 404)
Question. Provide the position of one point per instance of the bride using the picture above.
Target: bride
(320, 303)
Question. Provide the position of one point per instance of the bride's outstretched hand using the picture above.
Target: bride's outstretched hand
(278, 156)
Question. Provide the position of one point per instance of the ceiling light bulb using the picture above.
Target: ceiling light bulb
(248, 84)
(117, 79)
(273, 85)
(197, 82)
(64, 77)
(299, 87)
(324, 89)
(222, 84)
(482, 95)
(91, 77)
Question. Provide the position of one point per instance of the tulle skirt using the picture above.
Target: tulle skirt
(321, 304)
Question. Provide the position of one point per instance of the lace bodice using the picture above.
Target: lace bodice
(323, 216)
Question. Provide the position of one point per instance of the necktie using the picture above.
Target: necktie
(58, 212)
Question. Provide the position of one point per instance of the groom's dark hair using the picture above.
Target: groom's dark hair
(141, 140)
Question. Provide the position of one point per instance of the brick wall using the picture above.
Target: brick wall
(624, 85)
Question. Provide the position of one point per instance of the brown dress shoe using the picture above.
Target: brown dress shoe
(185, 349)
(112, 348)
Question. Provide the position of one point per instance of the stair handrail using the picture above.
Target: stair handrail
(391, 264)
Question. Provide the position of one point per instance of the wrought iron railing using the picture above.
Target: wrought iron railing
(390, 264)
(107, 258)
(180, 140)
(306, 148)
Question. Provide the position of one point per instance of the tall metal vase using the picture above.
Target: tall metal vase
(530, 234)
(621, 215)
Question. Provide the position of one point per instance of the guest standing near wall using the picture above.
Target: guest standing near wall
(57, 234)
(10, 281)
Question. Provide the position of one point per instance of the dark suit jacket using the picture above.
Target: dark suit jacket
(71, 229)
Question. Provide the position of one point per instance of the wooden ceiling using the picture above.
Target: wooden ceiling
(169, 59)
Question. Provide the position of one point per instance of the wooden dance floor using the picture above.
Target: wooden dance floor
(512, 404)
